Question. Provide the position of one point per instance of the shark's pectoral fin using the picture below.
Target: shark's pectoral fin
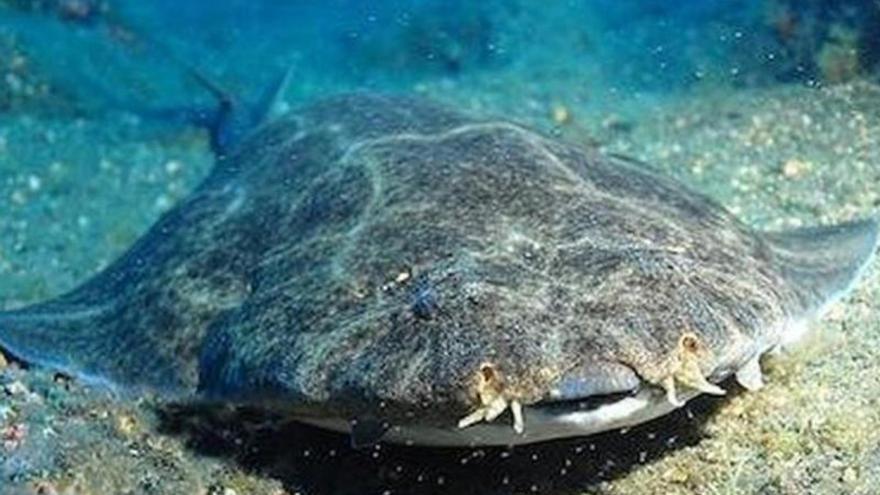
(820, 265)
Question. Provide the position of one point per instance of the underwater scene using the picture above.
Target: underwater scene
(439, 247)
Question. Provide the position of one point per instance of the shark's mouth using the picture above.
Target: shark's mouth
(582, 404)
(546, 420)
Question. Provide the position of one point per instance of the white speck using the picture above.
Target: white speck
(14, 82)
(163, 202)
(237, 201)
(172, 167)
(16, 388)
(34, 183)
(281, 108)
(18, 197)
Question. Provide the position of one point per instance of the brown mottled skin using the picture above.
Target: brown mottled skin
(367, 254)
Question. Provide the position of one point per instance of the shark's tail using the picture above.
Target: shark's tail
(233, 119)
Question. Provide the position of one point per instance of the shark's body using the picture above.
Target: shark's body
(395, 268)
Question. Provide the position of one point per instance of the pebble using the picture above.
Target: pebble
(794, 168)
(18, 62)
(45, 488)
(126, 425)
(15, 388)
(14, 83)
(3, 362)
(163, 202)
(172, 167)
(561, 114)
(5, 412)
(850, 476)
(13, 435)
(18, 197)
(34, 183)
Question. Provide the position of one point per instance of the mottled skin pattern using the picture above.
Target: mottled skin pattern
(366, 255)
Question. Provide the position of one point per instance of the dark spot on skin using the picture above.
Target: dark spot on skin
(424, 302)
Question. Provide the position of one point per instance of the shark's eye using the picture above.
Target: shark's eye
(424, 301)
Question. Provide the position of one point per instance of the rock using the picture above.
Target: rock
(675, 474)
(173, 167)
(795, 169)
(402, 277)
(561, 115)
(13, 435)
(126, 426)
(44, 488)
(16, 388)
(850, 476)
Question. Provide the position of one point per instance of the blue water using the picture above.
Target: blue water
(103, 49)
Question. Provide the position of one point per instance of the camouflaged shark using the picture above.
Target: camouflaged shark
(397, 269)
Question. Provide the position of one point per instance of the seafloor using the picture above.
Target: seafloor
(77, 187)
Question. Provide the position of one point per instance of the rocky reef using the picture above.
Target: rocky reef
(832, 41)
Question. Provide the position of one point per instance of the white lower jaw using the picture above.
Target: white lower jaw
(540, 425)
